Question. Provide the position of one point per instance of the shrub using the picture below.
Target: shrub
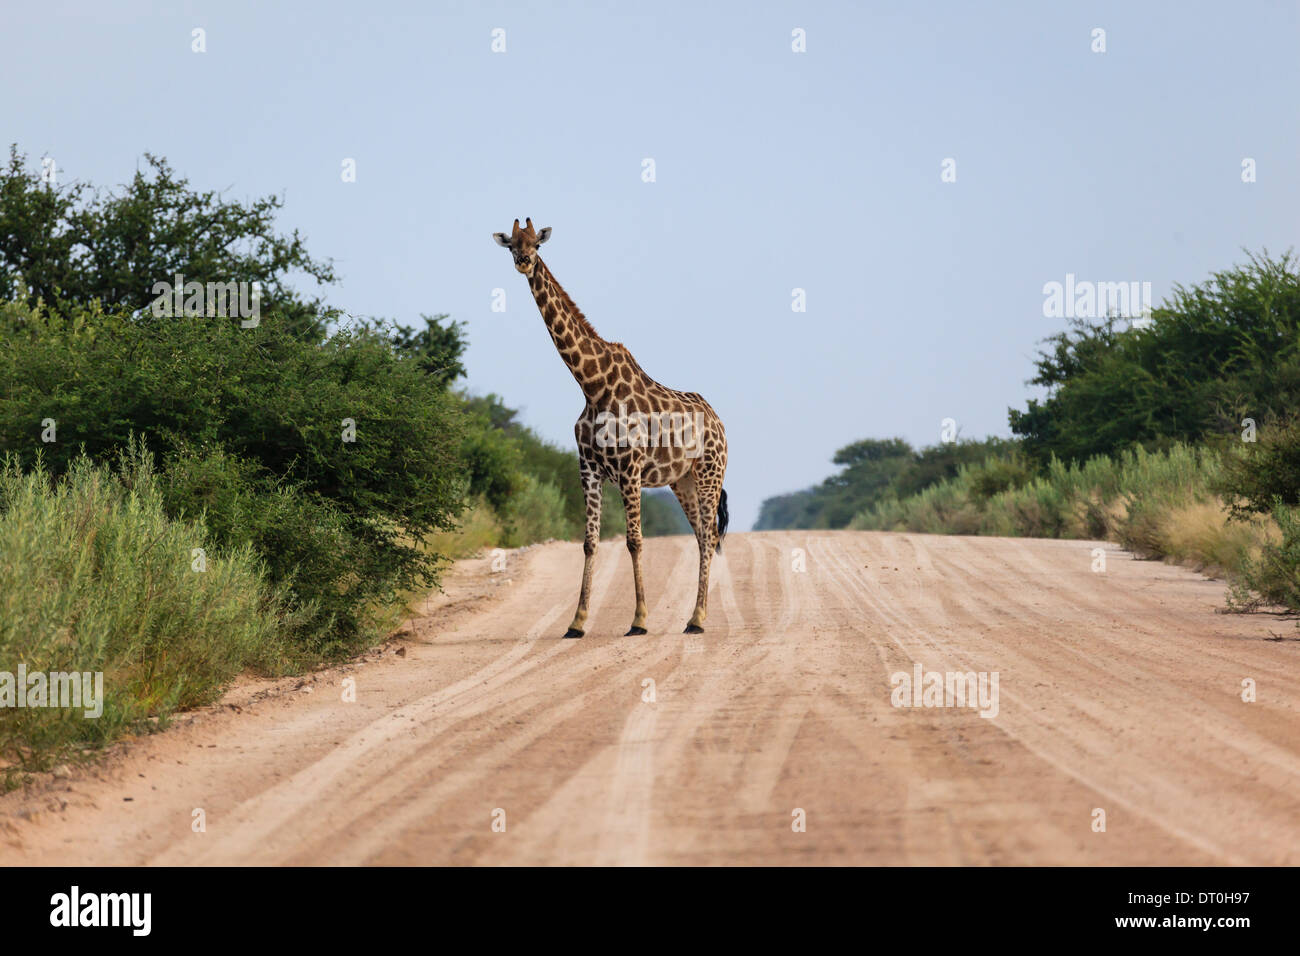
(1257, 475)
(1273, 577)
(301, 536)
(261, 395)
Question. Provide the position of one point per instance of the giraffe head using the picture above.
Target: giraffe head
(523, 244)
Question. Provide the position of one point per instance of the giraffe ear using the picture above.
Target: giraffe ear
(501, 239)
(544, 235)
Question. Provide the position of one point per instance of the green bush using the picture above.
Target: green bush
(1220, 351)
(261, 395)
(95, 577)
(1274, 576)
(1257, 475)
(301, 536)
(492, 457)
(997, 475)
(1263, 478)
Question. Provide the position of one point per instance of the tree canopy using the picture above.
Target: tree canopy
(1214, 354)
(73, 243)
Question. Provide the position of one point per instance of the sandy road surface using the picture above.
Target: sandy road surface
(1119, 691)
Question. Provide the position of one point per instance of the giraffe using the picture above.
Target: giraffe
(621, 435)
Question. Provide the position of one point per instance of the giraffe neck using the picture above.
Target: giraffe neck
(582, 349)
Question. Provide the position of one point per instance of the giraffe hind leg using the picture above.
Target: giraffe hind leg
(709, 508)
(687, 490)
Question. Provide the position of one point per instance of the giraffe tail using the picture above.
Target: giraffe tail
(722, 517)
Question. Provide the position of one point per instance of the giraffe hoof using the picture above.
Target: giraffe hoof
(635, 631)
(573, 632)
(693, 629)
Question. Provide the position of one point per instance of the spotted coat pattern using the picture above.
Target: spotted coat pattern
(616, 389)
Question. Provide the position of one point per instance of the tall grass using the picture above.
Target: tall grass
(95, 578)
(1156, 504)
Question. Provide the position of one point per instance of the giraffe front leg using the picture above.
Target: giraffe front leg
(591, 486)
(631, 488)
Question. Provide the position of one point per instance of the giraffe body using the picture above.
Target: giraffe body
(633, 432)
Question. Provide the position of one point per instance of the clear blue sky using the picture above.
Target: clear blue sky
(775, 170)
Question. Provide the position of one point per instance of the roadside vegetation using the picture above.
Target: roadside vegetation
(325, 466)
(96, 578)
(1178, 440)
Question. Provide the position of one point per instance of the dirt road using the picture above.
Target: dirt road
(1118, 691)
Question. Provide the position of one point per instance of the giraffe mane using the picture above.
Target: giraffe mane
(572, 306)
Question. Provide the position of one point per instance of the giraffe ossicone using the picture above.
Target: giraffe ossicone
(616, 388)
